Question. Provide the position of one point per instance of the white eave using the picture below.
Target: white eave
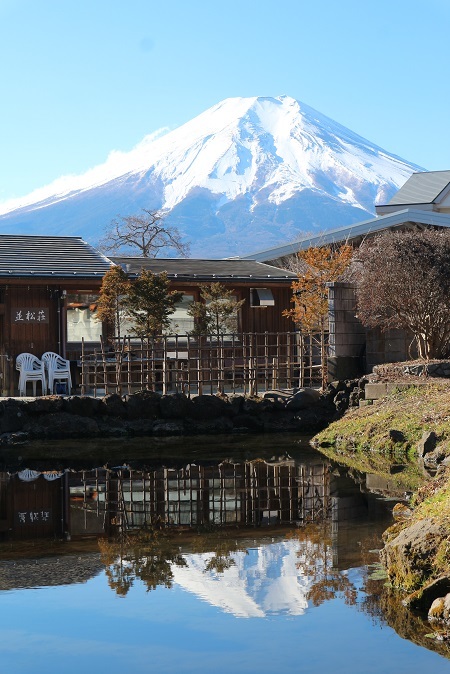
(360, 230)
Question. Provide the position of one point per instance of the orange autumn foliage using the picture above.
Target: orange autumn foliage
(321, 265)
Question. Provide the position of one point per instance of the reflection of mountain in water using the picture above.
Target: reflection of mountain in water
(260, 582)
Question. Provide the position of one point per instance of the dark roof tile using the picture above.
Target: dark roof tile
(50, 256)
(207, 270)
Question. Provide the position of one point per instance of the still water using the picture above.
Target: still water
(255, 555)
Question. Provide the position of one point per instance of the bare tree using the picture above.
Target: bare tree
(146, 232)
(403, 281)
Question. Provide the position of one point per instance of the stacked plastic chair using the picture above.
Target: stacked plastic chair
(57, 369)
(32, 370)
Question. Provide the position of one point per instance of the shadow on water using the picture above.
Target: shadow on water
(203, 513)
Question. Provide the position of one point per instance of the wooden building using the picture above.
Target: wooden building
(266, 290)
(48, 289)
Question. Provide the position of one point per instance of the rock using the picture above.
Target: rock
(143, 405)
(396, 436)
(113, 406)
(165, 427)
(440, 610)
(256, 406)
(278, 395)
(422, 599)
(304, 398)
(337, 386)
(248, 423)
(176, 406)
(236, 403)
(427, 443)
(83, 406)
(62, 425)
(408, 557)
(354, 398)
(341, 401)
(141, 427)
(12, 416)
(207, 407)
(401, 512)
(43, 405)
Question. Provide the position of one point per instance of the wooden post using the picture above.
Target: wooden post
(83, 372)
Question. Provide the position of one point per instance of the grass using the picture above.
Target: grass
(411, 411)
(361, 439)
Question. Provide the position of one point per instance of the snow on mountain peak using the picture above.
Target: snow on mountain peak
(245, 167)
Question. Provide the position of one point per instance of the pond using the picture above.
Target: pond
(254, 555)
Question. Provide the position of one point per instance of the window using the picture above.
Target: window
(81, 318)
(261, 297)
(180, 322)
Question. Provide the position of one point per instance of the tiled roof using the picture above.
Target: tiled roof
(421, 188)
(50, 256)
(207, 270)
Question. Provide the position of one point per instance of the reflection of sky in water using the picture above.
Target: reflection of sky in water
(87, 627)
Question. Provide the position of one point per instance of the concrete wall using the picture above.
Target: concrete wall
(353, 349)
(347, 337)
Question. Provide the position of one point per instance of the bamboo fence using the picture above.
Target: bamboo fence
(248, 363)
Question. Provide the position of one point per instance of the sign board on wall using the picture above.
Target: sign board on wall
(29, 315)
(33, 516)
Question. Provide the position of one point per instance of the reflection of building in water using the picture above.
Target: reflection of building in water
(33, 504)
(36, 504)
(251, 493)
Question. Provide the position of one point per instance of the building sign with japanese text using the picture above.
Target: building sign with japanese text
(30, 315)
(33, 516)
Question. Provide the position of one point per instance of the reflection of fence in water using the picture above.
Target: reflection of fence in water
(246, 363)
(251, 493)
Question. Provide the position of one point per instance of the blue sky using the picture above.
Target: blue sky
(80, 78)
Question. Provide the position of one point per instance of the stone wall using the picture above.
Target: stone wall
(148, 413)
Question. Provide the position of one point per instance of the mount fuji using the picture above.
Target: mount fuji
(246, 174)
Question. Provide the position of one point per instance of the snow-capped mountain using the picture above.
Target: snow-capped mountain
(246, 174)
(262, 581)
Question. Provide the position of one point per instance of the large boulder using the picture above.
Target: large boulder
(176, 406)
(206, 407)
(143, 405)
(303, 399)
(408, 556)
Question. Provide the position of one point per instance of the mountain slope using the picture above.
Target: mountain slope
(246, 174)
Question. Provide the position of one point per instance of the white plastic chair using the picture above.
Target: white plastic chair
(31, 370)
(58, 369)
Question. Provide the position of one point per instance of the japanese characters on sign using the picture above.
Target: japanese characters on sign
(30, 315)
(33, 516)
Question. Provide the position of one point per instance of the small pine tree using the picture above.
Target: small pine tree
(217, 311)
(113, 298)
(150, 304)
